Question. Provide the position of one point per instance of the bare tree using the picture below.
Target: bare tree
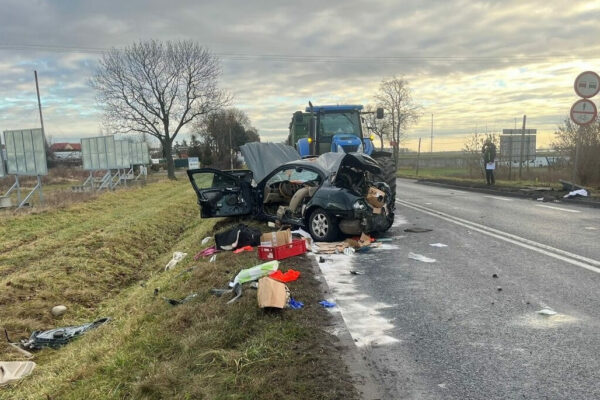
(566, 137)
(395, 97)
(379, 127)
(158, 88)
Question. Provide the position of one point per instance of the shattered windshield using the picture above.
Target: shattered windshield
(336, 123)
(294, 175)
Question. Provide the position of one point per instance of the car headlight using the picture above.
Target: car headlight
(359, 205)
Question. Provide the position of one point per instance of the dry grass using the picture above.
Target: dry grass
(105, 258)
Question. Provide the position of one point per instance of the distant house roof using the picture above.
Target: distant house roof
(66, 147)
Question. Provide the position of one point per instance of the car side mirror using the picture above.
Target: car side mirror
(379, 113)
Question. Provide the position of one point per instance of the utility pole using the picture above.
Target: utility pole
(431, 143)
(37, 89)
(522, 144)
(418, 155)
(230, 150)
(576, 161)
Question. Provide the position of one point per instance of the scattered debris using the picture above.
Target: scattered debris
(438, 245)
(576, 193)
(385, 239)
(177, 256)
(256, 272)
(289, 276)
(238, 236)
(236, 289)
(356, 272)
(499, 289)
(186, 271)
(206, 240)
(272, 293)
(243, 249)
(277, 238)
(417, 229)
(280, 252)
(16, 347)
(547, 312)
(494, 275)
(295, 304)
(327, 304)
(175, 302)
(12, 371)
(321, 259)
(209, 251)
(156, 291)
(349, 251)
(420, 257)
(213, 258)
(57, 337)
(57, 311)
(591, 228)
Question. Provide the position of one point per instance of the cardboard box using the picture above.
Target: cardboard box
(271, 293)
(276, 238)
(376, 197)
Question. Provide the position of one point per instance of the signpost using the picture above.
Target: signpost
(584, 111)
(587, 84)
(193, 163)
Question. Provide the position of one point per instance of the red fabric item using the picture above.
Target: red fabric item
(290, 275)
(242, 249)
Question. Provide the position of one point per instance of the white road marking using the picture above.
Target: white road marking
(498, 198)
(559, 208)
(591, 228)
(571, 258)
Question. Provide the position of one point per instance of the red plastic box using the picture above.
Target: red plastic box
(297, 247)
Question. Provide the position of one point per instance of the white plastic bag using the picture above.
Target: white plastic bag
(177, 256)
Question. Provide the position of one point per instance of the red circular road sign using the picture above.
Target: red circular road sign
(583, 112)
(587, 84)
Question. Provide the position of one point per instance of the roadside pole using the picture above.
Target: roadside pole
(37, 89)
(576, 161)
(418, 156)
(522, 144)
(584, 111)
(230, 151)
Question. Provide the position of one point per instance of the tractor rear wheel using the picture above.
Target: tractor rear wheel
(388, 173)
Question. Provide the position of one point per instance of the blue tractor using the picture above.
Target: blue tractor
(339, 128)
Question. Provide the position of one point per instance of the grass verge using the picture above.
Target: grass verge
(105, 258)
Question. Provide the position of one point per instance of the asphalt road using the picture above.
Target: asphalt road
(449, 329)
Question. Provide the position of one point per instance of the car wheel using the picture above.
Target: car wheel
(322, 226)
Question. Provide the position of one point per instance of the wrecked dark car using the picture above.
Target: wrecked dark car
(326, 195)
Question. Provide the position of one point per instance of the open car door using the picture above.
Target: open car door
(222, 194)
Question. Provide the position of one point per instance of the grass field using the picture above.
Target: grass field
(105, 257)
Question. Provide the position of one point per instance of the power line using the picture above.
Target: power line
(236, 56)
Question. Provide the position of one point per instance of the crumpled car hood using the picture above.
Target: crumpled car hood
(331, 162)
(262, 158)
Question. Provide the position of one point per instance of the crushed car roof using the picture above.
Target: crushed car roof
(263, 158)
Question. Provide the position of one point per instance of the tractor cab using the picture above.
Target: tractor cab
(323, 129)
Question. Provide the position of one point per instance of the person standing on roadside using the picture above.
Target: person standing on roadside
(489, 161)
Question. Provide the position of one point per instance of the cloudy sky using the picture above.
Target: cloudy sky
(476, 65)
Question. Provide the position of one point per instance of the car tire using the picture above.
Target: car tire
(322, 226)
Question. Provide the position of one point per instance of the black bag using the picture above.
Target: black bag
(236, 237)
